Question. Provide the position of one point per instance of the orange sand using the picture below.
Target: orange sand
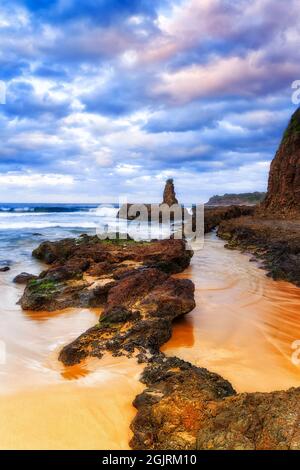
(242, 328)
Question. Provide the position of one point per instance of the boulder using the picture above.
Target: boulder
(23, 278)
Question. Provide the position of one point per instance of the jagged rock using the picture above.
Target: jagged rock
(153, 212)
(283, 196)
(187, 408)
(252, 421)
(83, 271)
(45, 294)
(171, 408)
(137, 317)
(53, 251)
(169, 196)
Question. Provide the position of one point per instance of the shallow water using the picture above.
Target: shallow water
(46, 405)
(242, 328)
(244, 323)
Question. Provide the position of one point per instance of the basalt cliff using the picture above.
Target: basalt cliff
(283, 196)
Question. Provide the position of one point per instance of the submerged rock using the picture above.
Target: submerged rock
(4, 269)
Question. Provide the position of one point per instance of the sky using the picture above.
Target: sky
(108, 98)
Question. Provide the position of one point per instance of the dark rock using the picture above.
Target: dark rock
(4, 268)
(83, 272)
(53, 251)
(23, 278)
(50, 295)
(71, 269)
(137, 318)
(169, 196)
(283, 196)
(276, 242)
(213, 216)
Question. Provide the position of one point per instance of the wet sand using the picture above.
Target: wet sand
(242, 328)
(95, 415)
(44, 405)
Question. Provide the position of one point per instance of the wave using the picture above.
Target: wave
(104, 211)
(46, 209)
(40, 225)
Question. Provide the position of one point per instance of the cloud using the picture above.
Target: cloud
(117, 95)
(34, 180)
(248, 76)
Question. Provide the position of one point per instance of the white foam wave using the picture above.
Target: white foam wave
(104, 211)
(33, 224)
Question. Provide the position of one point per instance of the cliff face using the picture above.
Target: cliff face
(169, 196)
(283, 196)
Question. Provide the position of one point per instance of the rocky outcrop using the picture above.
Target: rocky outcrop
(130, 280)
(213, 216)
(153, 212)
(82, 271)
(275, 242)
(187, 408)
(250, 199)
(171, 408)
(137, 317)
(169, 196)
(283, 196)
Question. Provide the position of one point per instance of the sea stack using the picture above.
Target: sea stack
(169, 196)
(283, 196)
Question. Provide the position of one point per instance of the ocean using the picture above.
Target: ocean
(24, 226)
